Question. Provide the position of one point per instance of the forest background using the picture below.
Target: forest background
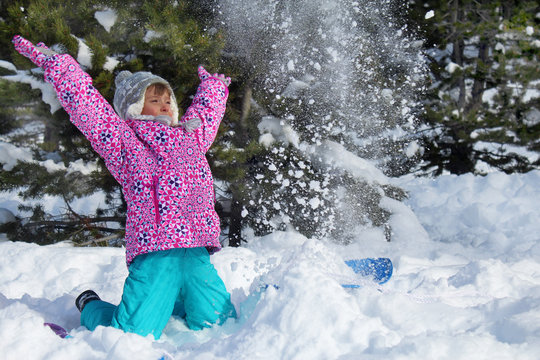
(461, 97)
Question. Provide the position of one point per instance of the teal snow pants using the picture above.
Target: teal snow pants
(181, 282)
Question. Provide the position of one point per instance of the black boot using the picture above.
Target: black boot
(84, 298)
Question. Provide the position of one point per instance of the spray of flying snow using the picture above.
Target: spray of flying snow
(336, 69)
(340, 78)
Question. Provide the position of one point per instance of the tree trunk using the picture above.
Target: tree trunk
(507, 8)
(237, 205)
(51, 136)
(235, 225)
(457, 51)
(481, 73)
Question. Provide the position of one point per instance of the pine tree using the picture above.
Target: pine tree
(479, 113)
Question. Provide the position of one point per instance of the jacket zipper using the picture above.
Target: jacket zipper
(155, 198)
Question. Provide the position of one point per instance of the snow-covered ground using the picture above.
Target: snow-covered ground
(466, 286)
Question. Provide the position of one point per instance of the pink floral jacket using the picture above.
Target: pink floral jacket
(163, 171)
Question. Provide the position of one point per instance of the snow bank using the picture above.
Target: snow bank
(466, 252)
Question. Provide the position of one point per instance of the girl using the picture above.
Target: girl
(171, 225)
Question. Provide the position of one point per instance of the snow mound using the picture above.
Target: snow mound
(467, 276)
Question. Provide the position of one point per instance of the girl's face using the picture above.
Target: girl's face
(156, 104)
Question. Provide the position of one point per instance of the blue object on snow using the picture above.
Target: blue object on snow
(380, 269)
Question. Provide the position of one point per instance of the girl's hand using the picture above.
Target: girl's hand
(203, 74)
(37, 54)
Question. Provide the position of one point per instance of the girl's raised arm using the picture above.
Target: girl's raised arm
(209, 106)
(87, 108)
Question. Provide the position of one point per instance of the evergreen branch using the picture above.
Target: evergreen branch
(98, 240)
(70, 209)
(73, 223)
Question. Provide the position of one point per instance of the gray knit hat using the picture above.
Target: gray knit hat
(129, 95)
